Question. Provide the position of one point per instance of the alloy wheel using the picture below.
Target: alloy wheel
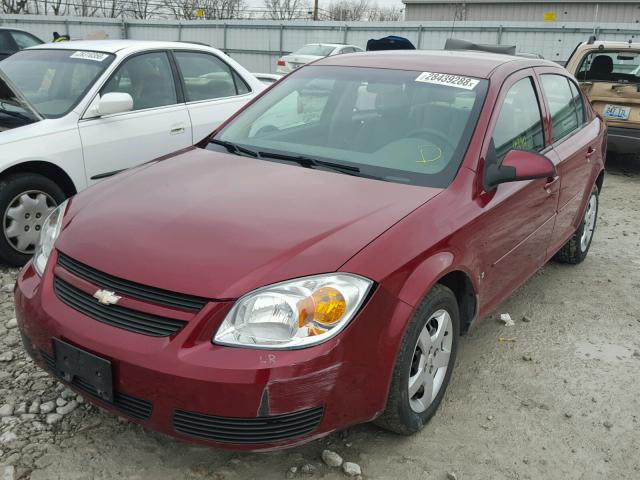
(430, 361)
(24, 218)
(589, 222)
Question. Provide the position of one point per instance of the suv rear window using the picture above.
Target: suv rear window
(620, 66)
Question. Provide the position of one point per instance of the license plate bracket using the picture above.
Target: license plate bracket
(74, 363)
(616, 112)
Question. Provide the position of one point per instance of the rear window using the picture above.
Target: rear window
(317, 50)
(620, 66)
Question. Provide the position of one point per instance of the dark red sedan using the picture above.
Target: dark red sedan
(312, 264)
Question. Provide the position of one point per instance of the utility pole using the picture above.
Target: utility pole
(315, 9)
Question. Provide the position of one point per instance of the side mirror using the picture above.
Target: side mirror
(517, 165)
(115, 102)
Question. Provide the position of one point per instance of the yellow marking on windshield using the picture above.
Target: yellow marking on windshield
(429, 157)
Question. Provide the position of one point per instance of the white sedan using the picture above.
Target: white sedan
(73, 113)
(311, 52)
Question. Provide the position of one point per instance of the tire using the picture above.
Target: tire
(401, 415)
(577, 248)
(43, 195)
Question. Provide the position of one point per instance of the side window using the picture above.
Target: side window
(6, 46)
(147, 78)
(564, 118)
(578, 101)
(207, 77)
(24, 40)
(519, 124)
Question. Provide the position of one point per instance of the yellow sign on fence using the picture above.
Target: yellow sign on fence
(550, 16)
(200, 13)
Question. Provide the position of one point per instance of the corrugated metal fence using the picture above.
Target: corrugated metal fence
(257, 44)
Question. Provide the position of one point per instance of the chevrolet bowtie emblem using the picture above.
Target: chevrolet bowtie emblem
(106, 297)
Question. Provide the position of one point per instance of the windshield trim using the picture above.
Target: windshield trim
(83, 94)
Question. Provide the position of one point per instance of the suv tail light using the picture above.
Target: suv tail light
(281, 62)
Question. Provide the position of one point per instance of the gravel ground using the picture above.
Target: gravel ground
(556, 396)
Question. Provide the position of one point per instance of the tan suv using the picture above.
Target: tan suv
(609, 75)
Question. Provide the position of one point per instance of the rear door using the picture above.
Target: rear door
(576, 149)
(158, 124)
(213, 90)
(518, 217)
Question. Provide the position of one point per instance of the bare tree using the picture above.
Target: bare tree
(183, 9)
(384, 14)
(348, 10)
(15, 6)
(222, 9)
(84, 8)
(286, 9)
(140, 9)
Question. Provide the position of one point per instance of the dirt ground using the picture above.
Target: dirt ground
(557, 398)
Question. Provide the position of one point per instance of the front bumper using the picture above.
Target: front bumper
(240, 398)
(623, 140)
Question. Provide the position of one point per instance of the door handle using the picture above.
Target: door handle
(590, 152)
(177, 130)
(551, 181)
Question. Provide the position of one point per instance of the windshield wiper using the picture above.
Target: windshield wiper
(235, 148)
(309, 162)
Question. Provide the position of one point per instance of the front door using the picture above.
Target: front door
(158, 124)
(517, 219)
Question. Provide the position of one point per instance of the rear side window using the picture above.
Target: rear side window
(564, 117)
(207, 77)
(519, 125)
(6, 46)
(579, 102)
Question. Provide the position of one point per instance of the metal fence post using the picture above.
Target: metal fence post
(419, 46)
(281, 39)
(123, 29)
(180, 31)
(224, 38)
(346, 31)
(66, 28)
(499, 39)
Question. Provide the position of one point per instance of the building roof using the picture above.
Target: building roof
(455, 62)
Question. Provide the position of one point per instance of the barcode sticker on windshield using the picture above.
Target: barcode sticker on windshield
(448, 80)
(95, 56)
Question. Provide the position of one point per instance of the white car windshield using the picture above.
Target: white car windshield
(395, 125)
(54, 81)
(316, 50)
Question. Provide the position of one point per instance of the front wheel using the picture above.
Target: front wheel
(424, 363)
(26, 199)
(577, 248)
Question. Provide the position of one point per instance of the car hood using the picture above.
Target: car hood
(218, 225)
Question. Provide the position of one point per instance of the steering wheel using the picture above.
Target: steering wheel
(429, 134)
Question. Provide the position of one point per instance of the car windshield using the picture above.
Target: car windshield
(396, 125)
(14, 110)
(317, 50)
(620, 66)
(54, 81)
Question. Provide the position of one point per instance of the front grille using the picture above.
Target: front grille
(158, 296)
(121, 317)
(247, 430)
(132, 406)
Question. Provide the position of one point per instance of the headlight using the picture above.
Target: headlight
(48, 235)
(294, 314)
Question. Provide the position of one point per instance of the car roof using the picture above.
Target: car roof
(606, 44)
(114, 46)
(456, 62)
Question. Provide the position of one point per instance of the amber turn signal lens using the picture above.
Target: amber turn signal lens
(325, 306)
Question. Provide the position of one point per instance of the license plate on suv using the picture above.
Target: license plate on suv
(77, 366)
(616, 112)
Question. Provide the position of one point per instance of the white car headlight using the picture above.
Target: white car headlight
(294, 314)
(48, 235)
